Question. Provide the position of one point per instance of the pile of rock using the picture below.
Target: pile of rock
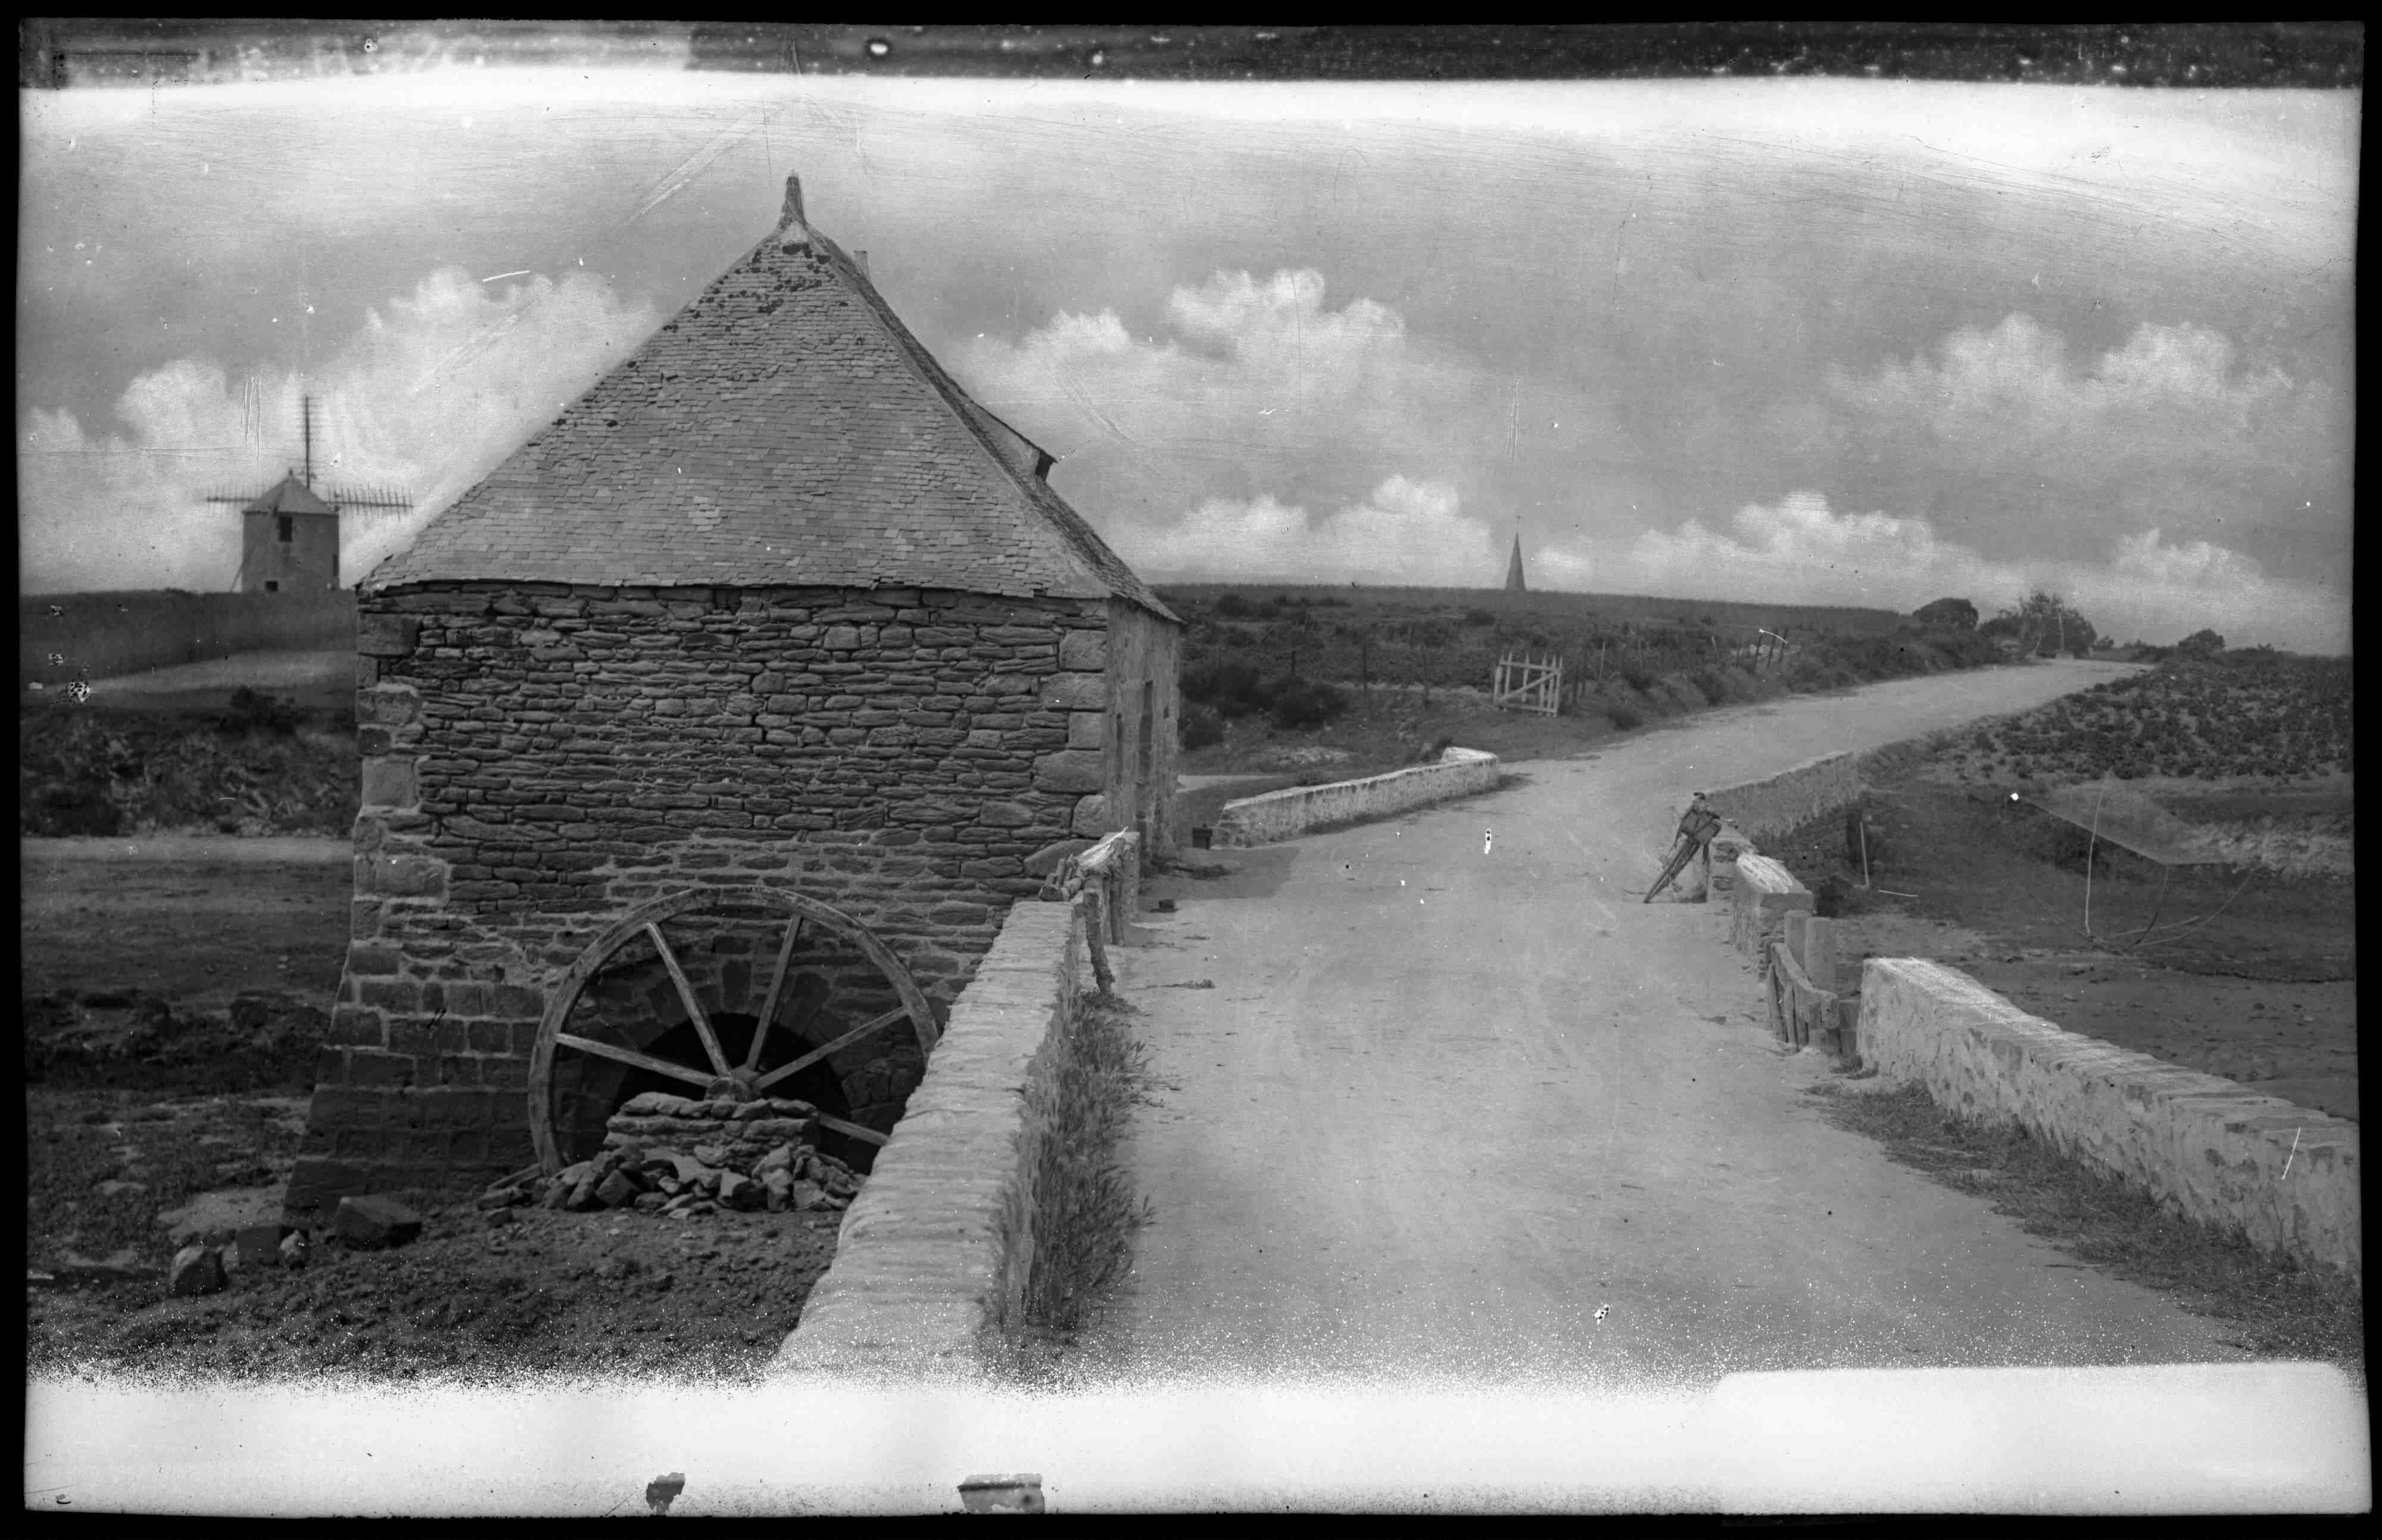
(675, 1155)
(366, 1223)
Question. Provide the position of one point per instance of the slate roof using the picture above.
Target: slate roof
(289, 494)
(784, 429)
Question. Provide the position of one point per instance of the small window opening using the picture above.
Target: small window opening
(271, 586)
(286, 521)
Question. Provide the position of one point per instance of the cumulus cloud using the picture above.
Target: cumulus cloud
(430, 394)
(1800, 552)
(2174, 427)
(1409, 533)
(1983, 384)
(1257, 389)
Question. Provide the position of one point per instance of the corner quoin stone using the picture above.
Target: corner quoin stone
(401, 876)
(1076, 692)
(1070, 769)
(1083, 651)
(389, 782)
(386, 636)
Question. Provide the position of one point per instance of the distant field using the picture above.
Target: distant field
(324, 680)
(1630, 608)
(64, 638)
(1261, 649)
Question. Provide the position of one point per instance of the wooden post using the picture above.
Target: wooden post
(1096, 934)
(1820, 958)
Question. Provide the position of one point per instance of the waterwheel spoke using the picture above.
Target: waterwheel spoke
(777, 990)
(631, 1056)
(694, 1006)
(858, 1131)
(873, 1025)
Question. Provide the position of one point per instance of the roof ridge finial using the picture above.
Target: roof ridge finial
(791, 218)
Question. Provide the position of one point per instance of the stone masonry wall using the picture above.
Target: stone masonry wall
(1293, 810)
(539, 759)
(1762, 893)
(1777, 804)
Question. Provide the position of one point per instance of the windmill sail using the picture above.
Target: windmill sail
(296, 497)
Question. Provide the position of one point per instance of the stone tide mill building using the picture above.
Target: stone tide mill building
(738, 704)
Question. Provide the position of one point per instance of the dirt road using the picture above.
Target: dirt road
(1459, 1104)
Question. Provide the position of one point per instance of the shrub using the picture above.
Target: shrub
(71, 810)
(1963, 650)
(2201, 644)
(1232, 606)
(1200, 726)
(1478, 617)
(1228, 685)
(1950, 614)
(1299, 704)
(1711, 685)
(1624, 718)
(252, 712)
(1638, 678)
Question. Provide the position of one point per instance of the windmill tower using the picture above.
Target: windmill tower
(1514, 566)
(289, 532)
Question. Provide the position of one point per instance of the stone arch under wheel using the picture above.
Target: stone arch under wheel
(719, 1074)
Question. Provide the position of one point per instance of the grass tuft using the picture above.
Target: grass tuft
(2279, 1308)
(1085, 1208)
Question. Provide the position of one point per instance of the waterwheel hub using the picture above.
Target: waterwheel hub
(735, 1086)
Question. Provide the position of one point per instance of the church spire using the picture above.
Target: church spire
(1514, 567)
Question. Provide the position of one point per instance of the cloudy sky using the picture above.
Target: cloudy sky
(1804, 340)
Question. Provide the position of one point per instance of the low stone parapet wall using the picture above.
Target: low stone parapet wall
(1770, 807)
(1763, 895)
(932, 1261)
(2286, 1177)
(1711, 878)
(1295, 810)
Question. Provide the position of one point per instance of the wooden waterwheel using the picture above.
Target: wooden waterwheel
(716, 1077)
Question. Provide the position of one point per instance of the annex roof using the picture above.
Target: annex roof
(785, 429)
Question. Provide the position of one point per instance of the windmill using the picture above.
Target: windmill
(289, 535)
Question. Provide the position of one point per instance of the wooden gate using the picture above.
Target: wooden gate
(1526, 683)
(1802, 1013)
